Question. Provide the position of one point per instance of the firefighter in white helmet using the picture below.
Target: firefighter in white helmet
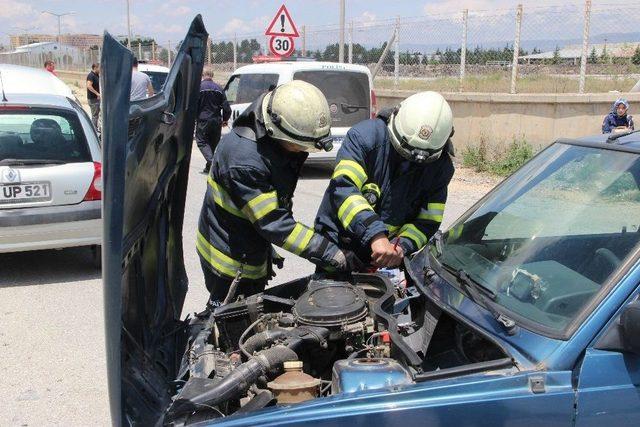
(248, 202)
(388, 191)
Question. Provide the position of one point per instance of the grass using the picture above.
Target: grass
(498, 160)
(500, 83)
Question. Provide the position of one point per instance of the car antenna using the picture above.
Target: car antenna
(615, 136)
(4, 96)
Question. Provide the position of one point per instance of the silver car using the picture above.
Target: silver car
(50, 165)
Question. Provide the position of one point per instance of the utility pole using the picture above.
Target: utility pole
(341, 44)
(59, 16)
(585, 45)
(128, 27)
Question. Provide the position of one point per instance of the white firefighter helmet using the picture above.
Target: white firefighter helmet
(298, 113)
(421, 126)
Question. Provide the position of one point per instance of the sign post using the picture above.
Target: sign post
(282, 31)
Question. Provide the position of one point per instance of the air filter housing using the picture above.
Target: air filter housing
(330, 304)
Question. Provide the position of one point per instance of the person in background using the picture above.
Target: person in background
(93, 94)
(141, 87)
(50, 66)
(213, 113)
(618, 120)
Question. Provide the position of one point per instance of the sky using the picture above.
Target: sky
(169, 19)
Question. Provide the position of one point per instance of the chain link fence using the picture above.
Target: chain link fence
(571, 48)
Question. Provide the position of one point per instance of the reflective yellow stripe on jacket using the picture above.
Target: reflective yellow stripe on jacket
(226, 265)
(350, 208)
(261, 205)
(410, 231)
(434, 212)
(299, 239)
(222, 199)
(351, 170)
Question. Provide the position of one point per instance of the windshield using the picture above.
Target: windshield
(45, 134)
(157, 79)
(552, 234)
(246, 88)
(347, 93)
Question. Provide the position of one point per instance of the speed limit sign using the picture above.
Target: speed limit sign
(281, 45)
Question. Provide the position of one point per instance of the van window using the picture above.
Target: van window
(246, 88)
(347, 93)
(157, 79)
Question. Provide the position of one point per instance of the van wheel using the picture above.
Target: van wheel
(96, 256)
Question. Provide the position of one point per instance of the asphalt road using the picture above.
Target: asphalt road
(52, 356)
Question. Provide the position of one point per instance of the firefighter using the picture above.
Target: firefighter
(248, 201)
(388, 191)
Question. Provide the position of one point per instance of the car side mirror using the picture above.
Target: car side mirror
(630, 324)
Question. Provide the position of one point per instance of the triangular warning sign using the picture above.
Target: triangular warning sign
(282, 24)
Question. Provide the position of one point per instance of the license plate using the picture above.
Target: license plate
(25, 193)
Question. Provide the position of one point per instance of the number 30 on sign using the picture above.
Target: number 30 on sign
(281, 45)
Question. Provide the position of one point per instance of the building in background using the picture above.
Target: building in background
(80, 41)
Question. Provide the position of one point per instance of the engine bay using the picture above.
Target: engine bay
(310, 339)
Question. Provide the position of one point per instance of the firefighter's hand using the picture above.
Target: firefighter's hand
(383, 252)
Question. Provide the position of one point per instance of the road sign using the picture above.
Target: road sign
(282, 24)
(281, 45)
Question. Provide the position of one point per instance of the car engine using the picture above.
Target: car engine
(313, 338)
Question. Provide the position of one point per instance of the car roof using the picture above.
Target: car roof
(153, 68)
(288, 66)
(19, 80)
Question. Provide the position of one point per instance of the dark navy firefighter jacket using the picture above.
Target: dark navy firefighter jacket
(248, 202)
(212, 102)
(411, 197)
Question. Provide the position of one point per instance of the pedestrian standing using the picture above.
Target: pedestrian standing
(93, 94)
(141, 87)
(213, 113)
(50, 66)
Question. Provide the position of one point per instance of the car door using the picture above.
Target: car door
(147, 149)
(609, 383)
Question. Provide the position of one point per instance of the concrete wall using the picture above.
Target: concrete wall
(538, 118)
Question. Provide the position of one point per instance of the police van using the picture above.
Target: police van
(347, 87)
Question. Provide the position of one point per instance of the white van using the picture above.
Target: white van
(347, 87)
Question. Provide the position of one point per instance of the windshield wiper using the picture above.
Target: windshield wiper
(24, 162)
(477, 293)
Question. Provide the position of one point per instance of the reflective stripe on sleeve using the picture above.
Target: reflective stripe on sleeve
(261, 205)
(350, 208)
(222, 198)
(351, 170)
(393, 229)
(298, 239)
(410, 231)
(434, 212)
(226, 265)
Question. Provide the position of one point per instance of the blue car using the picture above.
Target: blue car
(525, 312)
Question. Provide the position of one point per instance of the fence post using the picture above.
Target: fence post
(378, 65)
(235, 52)
(463, 48)
(169, 54)
(516, 49)
(341, 43)
(304, 40)
(209, 51)
(396, 56)
(350, 54)
(585, 45)
(140, 51)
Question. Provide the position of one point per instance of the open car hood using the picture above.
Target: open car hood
(147, 150)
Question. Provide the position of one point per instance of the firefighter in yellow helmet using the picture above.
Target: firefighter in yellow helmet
(247, 206)
(388, 191)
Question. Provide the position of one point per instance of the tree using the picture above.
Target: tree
(605, 58)
(593, 56)
(555, 60)
(635, 59)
